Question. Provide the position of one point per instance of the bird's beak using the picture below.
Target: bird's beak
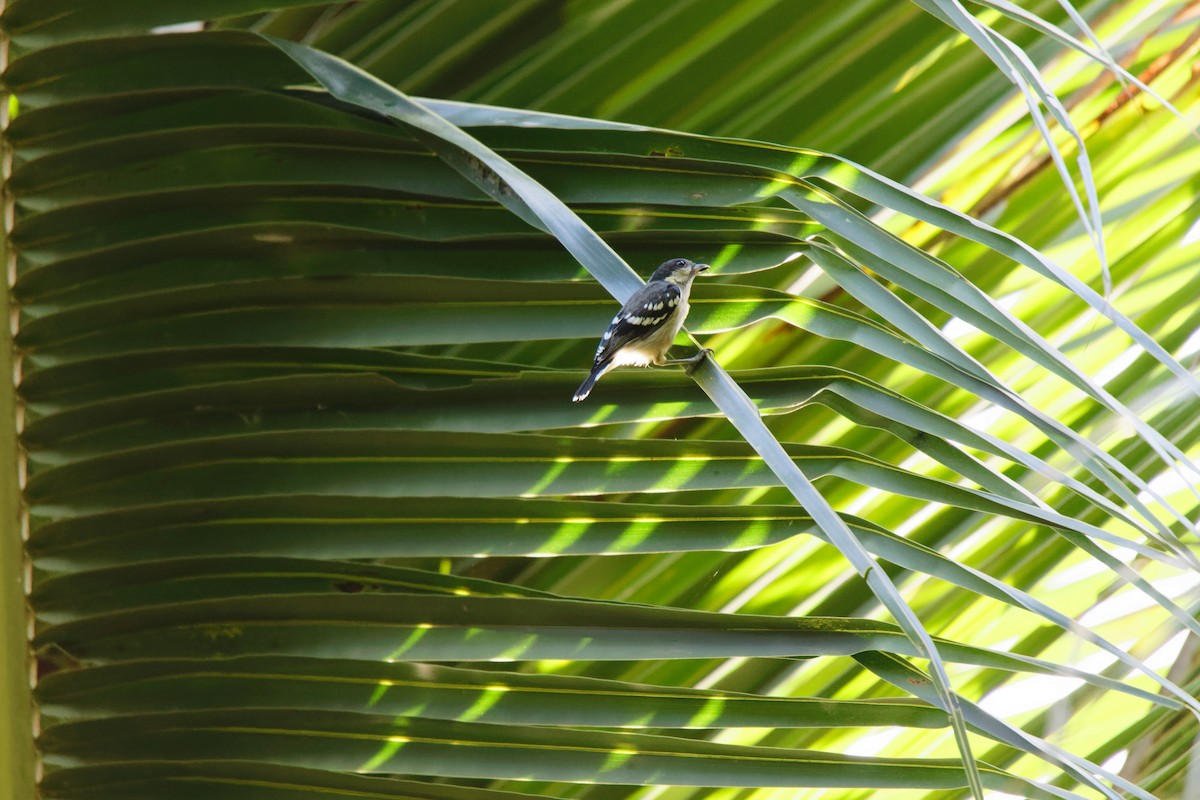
(698, 268)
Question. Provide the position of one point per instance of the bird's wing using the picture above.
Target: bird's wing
(645, 312)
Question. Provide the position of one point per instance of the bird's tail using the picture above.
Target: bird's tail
(585, 388)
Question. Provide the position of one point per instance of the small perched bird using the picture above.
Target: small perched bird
(642, 331)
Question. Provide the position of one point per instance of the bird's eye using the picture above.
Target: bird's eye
(680, 263)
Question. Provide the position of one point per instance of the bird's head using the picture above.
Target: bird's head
(679, 271)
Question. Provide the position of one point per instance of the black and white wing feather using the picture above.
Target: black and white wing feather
(640, 333)
(651, 309)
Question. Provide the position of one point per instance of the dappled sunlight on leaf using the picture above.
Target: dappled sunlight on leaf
(385, 754)
(308, 505)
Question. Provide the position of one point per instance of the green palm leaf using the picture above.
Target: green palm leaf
(304, 495)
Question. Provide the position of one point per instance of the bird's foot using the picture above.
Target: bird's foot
(695, 360)
(692, 362)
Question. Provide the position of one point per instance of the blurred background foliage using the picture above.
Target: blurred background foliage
(295, 403)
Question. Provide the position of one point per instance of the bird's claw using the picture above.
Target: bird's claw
(695, 360)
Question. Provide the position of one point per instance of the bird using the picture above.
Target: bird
(642, 331)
